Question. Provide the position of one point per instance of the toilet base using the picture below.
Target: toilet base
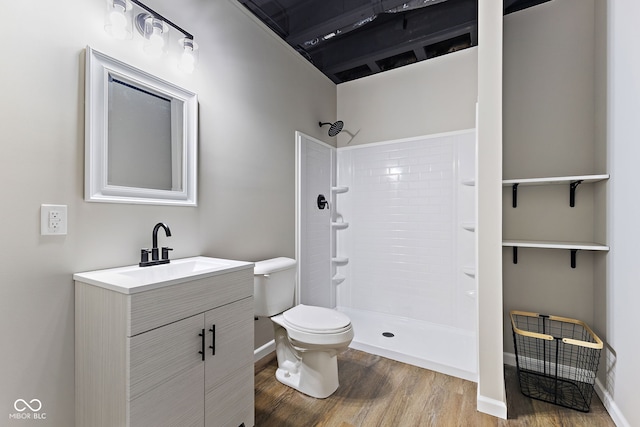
(315, 375)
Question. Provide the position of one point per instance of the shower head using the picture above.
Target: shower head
(335, 127)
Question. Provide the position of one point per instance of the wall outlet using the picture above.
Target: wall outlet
(53, 220)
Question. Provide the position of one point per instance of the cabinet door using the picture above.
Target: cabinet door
(229, 391)
(166, 376)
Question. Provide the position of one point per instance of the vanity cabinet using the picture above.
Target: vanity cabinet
(177, 355)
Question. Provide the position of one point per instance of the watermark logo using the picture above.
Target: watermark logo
(30, 410)
(21, 405)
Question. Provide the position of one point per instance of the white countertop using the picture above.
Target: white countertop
(133, 279)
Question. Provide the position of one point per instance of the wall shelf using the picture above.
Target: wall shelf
(469, 182)
(574, 247)
(587, 246)
(340, 260)
(339, 225)
(555, 180)
(572, 181)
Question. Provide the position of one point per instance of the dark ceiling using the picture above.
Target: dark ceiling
(349, 39)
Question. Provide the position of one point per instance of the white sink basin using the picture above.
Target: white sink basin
(133, 279)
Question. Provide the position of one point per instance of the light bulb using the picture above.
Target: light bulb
(156, 35)
(156, 38)
(116, 17)
(189, 56)
(187, 62)
(116, 22)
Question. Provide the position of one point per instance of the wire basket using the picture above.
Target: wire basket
(556, 357)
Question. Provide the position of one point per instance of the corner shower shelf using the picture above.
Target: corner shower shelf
(340, 260)
(337, 279)
(469, 226)
(572, 181)
(339, 225)
(469, 182)
(338, 190)
(469, 271)
(574, 247)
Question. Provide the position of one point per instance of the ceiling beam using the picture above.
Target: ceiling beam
(347, 18)
(397, 33)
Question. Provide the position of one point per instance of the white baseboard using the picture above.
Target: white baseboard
(610, 405)
(605, 397)
(509, 359)
(494, 407)
(264, 350)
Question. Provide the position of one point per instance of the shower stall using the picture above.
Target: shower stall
(394, 245)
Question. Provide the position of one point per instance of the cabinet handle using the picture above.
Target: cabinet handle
(202, 352)
(213, 340)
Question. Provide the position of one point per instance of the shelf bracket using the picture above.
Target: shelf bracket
(573, 257)
(514, 195)
(572, 192)
(515, 254)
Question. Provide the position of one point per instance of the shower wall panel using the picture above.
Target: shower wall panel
(314, 224)
(402, 242)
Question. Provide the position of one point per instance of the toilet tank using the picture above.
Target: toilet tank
(274, 283)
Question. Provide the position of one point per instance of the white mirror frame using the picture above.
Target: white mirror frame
(99, 67)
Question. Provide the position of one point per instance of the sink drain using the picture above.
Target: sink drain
(388, 334)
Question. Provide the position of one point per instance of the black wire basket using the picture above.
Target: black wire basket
(556, 357)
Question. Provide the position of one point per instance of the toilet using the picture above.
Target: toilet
(307, 338)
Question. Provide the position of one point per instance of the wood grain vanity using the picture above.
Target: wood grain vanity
(177, 353)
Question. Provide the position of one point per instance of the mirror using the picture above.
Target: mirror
(140, 136)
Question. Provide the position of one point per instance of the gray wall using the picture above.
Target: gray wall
(253, 92)
(549, 70)
(549, 130)
(429, 97)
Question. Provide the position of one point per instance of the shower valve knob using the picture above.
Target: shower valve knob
(322, 202)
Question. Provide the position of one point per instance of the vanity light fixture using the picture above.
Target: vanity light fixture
(153, 27)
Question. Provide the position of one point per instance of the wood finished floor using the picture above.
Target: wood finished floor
(375, 391)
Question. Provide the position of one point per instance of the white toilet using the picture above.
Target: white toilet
(307, 338)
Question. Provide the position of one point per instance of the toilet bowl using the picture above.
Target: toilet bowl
(307, 338)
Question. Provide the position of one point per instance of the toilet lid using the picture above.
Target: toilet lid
(316, 319)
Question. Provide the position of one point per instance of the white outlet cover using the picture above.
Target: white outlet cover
(47, 227)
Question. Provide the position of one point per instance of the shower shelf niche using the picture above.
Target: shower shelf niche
(339, 190)
(337, 279)
(469, 226)
(340, 260)
(469, 271)
(340, 225)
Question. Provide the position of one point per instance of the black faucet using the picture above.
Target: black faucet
(155, 259)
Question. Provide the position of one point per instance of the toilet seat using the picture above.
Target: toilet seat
(309, 327)
(316, 320)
